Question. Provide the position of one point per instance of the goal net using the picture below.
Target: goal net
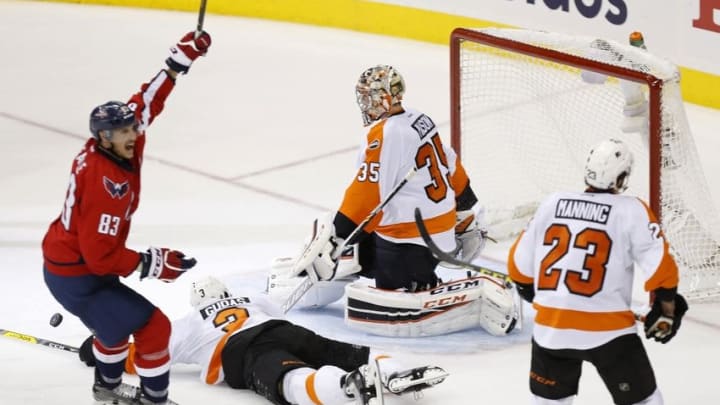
(527, 106)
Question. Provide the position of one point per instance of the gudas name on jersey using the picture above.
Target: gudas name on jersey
(582, 210)
(217, 306)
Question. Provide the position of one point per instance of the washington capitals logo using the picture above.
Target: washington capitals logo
(114, 189)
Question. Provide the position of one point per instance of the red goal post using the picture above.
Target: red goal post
(524, 116)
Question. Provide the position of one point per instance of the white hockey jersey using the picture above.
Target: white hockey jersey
(395, 145)
(578, 251)
(200, 336)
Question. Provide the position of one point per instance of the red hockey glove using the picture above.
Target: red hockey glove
(187, 50)
(164, 264)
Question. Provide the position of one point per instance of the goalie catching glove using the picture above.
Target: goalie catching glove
(470, 237)
(663, 327)
(164, 264)
(321, 258)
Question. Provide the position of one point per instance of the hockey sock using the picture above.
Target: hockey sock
(109, 363)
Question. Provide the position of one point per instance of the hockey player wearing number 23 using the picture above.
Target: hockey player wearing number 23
(574, 262)
(84, 248)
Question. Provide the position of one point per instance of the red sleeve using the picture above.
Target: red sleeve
(103, 225)
(149, 102)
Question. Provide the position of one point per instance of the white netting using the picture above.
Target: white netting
(527, 124)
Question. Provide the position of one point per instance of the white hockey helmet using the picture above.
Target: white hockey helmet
(206, 290)
(379, 88)
(608, 166)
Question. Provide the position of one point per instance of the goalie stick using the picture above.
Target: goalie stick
(38, 341)
(307, 282)
(448, 258)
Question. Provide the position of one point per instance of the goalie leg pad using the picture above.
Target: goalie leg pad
(446, 308)
(498, 312)
(449, 307)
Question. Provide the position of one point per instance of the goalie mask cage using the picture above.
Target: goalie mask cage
(523, 121)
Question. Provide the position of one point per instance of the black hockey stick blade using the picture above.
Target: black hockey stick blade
(449, 258)
(38, 341)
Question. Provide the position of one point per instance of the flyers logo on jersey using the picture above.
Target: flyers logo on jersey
(116, 190)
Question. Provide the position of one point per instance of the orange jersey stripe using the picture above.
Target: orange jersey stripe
(404, 230)
(513, 270)
(215, 366)
(560, 318)
(310, 389)
(361, 197)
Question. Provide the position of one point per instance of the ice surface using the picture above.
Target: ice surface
(256, 140)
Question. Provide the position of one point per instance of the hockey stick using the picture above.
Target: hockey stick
(448, 258)
(307, 282)
(38, 341)
(201, 18)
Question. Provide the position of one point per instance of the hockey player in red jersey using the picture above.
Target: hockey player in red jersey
(574, 262)
(84, 248)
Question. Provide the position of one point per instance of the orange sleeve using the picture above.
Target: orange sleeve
(363, 194)
(459, 179)
(513, 271)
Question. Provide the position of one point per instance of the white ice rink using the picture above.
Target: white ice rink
(258, 139)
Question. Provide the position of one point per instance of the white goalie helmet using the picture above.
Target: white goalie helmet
(608, 166)
(206, 290)
(378, 89)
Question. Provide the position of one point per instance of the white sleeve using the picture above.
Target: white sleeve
(647, 243)
(181, 328)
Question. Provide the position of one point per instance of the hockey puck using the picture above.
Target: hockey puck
(56, 319)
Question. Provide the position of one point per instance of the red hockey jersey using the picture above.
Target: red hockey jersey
(104, 191)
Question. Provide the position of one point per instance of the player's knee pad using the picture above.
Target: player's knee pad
(449, 307)
(151, 345)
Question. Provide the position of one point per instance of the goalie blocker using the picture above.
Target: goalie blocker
(453, 306)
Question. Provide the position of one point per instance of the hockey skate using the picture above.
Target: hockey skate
(123, 394)
(358, 387)
(415, 380)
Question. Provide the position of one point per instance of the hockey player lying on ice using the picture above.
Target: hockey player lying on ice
(236, 339)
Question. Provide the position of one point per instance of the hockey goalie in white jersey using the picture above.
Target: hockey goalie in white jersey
(574, 262)
(237, 340)
(408, 298)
